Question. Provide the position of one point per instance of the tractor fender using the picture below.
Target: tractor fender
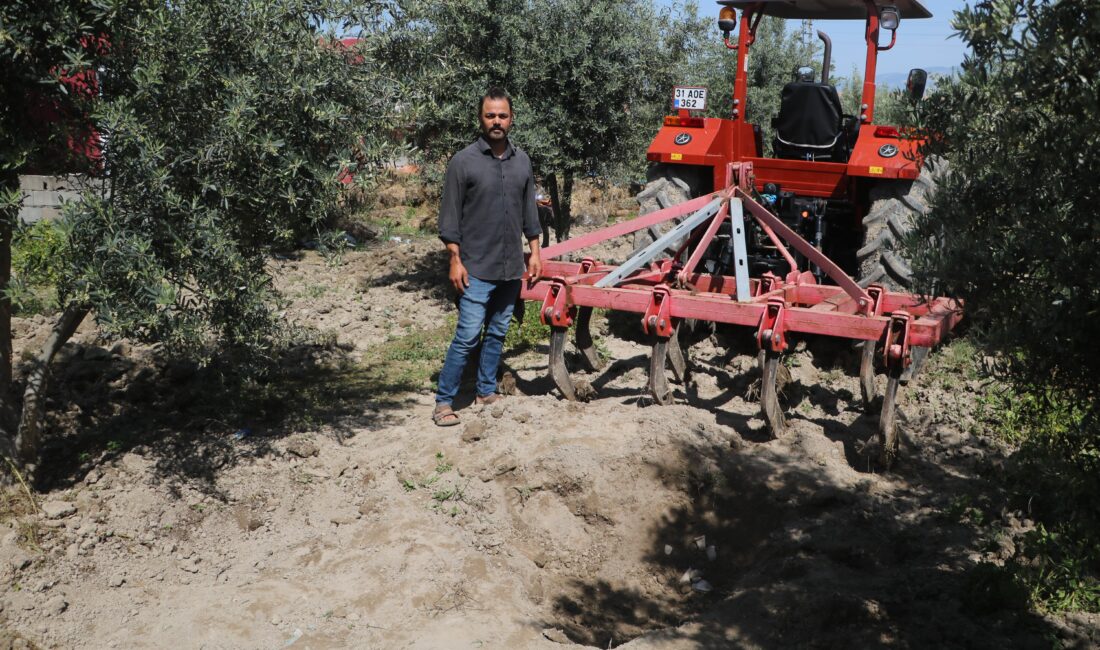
(692, 145)
(884, 156)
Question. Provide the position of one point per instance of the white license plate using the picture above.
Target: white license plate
(692, 98)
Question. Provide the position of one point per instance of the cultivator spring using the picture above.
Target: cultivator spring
(667, 291)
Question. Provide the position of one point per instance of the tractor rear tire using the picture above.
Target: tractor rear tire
(667, 185)
(895, 206)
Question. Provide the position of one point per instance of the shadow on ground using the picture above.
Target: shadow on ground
(195, 421)
(805, 562)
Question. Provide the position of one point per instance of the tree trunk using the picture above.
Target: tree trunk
(566, 214)
(562, 203)
(9, 186)
(555, 204)
(28, 437)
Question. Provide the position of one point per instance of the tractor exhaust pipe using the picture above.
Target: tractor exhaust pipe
(825, 61)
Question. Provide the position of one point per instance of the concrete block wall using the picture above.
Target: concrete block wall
(42, 195)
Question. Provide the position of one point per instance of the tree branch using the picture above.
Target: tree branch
(28, 436)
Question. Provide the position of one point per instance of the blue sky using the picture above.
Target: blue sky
(926, 43)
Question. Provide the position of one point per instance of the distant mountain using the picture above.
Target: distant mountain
(897, 79)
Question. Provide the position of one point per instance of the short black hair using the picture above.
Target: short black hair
(494, 92)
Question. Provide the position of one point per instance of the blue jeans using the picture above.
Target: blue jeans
(487, 304)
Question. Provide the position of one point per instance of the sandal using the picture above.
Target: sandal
(444, 416)
(488, 399)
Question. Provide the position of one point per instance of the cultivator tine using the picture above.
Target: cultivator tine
(658, 383)
(583, 339)
(887, 424)
(867, 374)
(769, 394)
(676, 359)
(558, 371)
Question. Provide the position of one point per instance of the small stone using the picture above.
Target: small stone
(474, 431)
(701, 586)
(56, 605)
(368, 506)
(58, 509)
(507, 384)
(344, 519)
(95, 353)
(668, 549)
(498, 411)
(302, 447)
(701, 542)
(583, 390)
(557, 636)
(115, 581)
(353, 616)
(20, 560)
(712, 553)
(275, 620)
(521, 417)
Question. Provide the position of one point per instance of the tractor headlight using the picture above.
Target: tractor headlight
(889, 18)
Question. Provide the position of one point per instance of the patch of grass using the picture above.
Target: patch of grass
(37, 253)
(411, 359)
(312, 291)
(959, 359)
(1055, 477)
(529, 333)
(442, 493)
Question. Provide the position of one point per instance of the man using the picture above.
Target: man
(488, 208)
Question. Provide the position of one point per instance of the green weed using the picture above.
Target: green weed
(529, 333)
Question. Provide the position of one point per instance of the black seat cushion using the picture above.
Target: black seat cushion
(809, 123)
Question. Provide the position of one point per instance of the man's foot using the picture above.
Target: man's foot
(488, 399)
(444, 416)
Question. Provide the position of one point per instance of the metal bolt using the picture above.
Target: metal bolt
(662, 323)
(557, 314)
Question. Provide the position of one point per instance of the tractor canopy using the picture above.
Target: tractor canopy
(826, 9)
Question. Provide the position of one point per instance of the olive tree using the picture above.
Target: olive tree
(589, 80)
(227, 126)
(40, 43)
(1012, 228)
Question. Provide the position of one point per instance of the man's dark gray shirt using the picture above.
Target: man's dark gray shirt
(488, 209)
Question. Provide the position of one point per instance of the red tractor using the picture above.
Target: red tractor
(799, 243)
(845, 184)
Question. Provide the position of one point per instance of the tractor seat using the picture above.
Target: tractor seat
(811, 124)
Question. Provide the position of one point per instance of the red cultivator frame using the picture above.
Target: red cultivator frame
(666, 290)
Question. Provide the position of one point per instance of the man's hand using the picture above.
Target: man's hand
(458, 276)
(534, 262)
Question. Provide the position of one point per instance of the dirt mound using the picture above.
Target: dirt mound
(536, 523)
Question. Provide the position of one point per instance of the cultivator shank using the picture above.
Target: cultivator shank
(665, 290)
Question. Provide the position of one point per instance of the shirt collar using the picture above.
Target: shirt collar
(483, 146)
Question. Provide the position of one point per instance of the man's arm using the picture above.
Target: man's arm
(450, 214)
(457, 273)
(532, 229)
(534, 261)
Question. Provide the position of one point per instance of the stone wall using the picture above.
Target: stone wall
(42, 195)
